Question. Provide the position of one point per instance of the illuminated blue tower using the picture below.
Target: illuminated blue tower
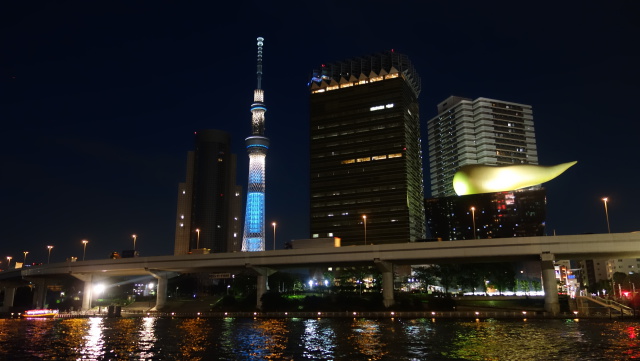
(257, 146)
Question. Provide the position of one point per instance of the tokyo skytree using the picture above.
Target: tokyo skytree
(257, 146)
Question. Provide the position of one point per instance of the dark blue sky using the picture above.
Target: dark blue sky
(99, 102)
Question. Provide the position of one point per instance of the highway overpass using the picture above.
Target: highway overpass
(544, 249)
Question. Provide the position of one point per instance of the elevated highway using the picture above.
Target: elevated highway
(544, 249)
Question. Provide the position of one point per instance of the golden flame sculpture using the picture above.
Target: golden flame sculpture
(476, 178)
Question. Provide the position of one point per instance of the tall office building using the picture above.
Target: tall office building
(366, 160)
(482, 131)
(208, 215)
(257, 146)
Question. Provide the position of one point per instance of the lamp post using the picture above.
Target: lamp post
(134, 241)
(606, 212)
(84, 249)
(198, 238)
(364, 219)
(49, 257)
(473, 218)
(9, 258)
(24, 261)
(274, 235)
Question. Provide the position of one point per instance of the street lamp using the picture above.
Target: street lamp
(84, 249)
(9, 258)
(24, 261)
(274, 235)
(134, 241)
(198, 238)
(49, 257)
(473, 217)
(606, 212)
(364, 219)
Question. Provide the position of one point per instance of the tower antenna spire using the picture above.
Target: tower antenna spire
(257, 145)
(259, 72)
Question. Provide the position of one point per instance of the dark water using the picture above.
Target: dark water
(316, 339)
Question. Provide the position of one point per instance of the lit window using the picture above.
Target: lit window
(379, 157)
(315, 235)
(365, 159)
(348, 161)
(395, 155)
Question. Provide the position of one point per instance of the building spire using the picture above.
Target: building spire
(259, 72)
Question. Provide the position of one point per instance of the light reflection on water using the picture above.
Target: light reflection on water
(260, 339)
(367, 338)
(152, 338)
(318, 340)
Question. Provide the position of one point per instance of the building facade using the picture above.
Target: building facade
(520, 213)
(482, 131)
(208, 216)
(366, 180)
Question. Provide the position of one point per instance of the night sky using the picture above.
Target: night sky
(99, 102)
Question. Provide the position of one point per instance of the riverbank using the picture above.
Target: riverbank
(470, 315)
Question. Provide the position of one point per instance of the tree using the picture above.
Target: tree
(354, 277)
(282, 281)
(447, 275)
(244, 283)
(472, 277)
(425, 275)
(502, 276)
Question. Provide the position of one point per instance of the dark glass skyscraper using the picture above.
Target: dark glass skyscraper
(518, 213)
(208, 201)
(366, 160)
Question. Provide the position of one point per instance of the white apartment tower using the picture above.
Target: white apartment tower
(482, 131)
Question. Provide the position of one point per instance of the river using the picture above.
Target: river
(166, 338)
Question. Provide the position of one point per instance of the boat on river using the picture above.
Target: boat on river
(40, 313)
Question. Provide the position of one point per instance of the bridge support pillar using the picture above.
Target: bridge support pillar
(263, 274)
(87, 294)
(549, 284)
(387, 281)
(9, 296)
(40, 294)
(161, 290)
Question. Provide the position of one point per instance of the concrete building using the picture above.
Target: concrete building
(482, 131)
(366, 178)
(208, 212)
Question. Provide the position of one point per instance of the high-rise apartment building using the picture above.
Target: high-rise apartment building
(366, 179)
(209, 210)
(482, 131)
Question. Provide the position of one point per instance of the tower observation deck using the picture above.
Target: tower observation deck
(253, 238)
